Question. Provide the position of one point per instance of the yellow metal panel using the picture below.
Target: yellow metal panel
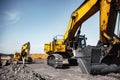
(47, 47)
(104, 14)
(107, 22)
(59, 48)
(17, 55)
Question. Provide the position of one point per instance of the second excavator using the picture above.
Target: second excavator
(24, 55)
(102, 58)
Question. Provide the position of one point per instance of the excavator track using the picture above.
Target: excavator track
(55, 60)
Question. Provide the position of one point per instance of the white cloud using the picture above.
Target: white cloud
(10, 17)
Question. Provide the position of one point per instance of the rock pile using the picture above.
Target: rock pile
(20, 72)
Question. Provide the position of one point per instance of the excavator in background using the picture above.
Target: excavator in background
(25, 52)
(100, 59)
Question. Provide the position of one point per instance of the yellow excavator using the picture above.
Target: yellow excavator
(99, 59)
(25, 53)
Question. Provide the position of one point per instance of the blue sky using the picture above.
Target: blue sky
(38, 21)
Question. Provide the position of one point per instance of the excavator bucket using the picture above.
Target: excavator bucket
(89, 59)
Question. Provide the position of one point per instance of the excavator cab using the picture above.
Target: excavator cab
(82, 41)
(78, 42)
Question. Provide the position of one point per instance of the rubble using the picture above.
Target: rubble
(39, 70)
(20, 72)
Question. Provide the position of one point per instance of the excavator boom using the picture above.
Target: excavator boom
(86, 10)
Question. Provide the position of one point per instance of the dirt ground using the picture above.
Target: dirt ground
(39, 70)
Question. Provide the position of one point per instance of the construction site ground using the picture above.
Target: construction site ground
(39, 70)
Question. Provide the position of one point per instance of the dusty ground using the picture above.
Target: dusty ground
(39, 70)
(69, 72)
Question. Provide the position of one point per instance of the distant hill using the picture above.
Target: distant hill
(39, 56)
(2, 54)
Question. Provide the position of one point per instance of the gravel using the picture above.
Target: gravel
(41, 71)
(20, 72)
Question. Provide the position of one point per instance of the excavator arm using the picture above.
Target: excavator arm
(25, 49)
(108, 16)
(105, 57)
(82, 13)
